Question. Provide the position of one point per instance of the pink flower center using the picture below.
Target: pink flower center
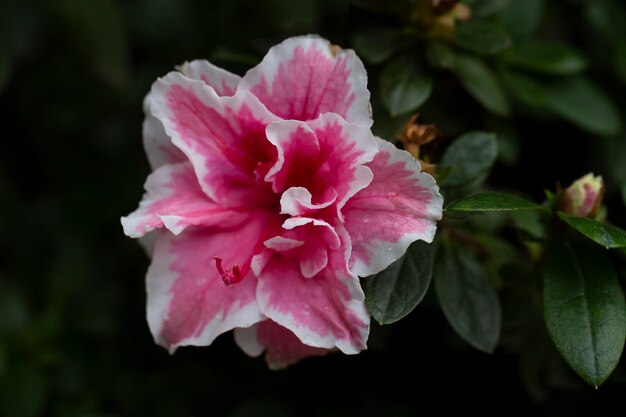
(232, 274)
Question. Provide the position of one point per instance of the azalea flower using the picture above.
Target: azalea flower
(269, 197)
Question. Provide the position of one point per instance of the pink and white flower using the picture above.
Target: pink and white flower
(269, 197)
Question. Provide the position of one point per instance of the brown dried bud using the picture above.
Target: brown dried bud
(414, 135)
(417, 133)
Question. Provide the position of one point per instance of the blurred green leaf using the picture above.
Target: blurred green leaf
(608, 17)
(493, 202)
(601, 233)
(376, 46)
(483, 8)
(23, 390)
(523, 17)
(528, 222)
(524, 88)
(440, 55)
(583, 103)
(480, 82)
(470, 157)
(481, 37)
(404, 85)
(547, 58)
(584, 310)
(396, 291)
(467, 298)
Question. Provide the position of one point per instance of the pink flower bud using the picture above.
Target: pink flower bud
(583, 198)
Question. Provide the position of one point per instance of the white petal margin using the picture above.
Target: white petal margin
(401, 205)
(157, 144)
(283, 54)
(247, 339)
(223, 82)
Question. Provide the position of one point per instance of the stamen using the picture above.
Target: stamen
(232, 275)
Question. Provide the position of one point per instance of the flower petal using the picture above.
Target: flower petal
(305, 76)
(174, 199)
(323, 156)
(281, 244)
(400, 205)
(223, 137)
(326, 310)
(157, 143)
(283, 347)
(223, 82)
(296, 201)
(188, 303)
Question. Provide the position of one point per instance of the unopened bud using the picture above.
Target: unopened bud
(584, 197)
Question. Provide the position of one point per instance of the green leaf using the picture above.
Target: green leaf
(547, 58)
(481, 37)
(523, 17)
(524, 88)
(584, 310)
(404, 85)
(467, 298)
(470, 157)
(440, 55)
(480, 82)
(376, 46)
(601, 233)
(396, 291)
(581, 102)
(493, 202)
(529, 223)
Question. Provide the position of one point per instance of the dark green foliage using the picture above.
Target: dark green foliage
(584, 310)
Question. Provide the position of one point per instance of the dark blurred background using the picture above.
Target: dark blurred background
(73, 336)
